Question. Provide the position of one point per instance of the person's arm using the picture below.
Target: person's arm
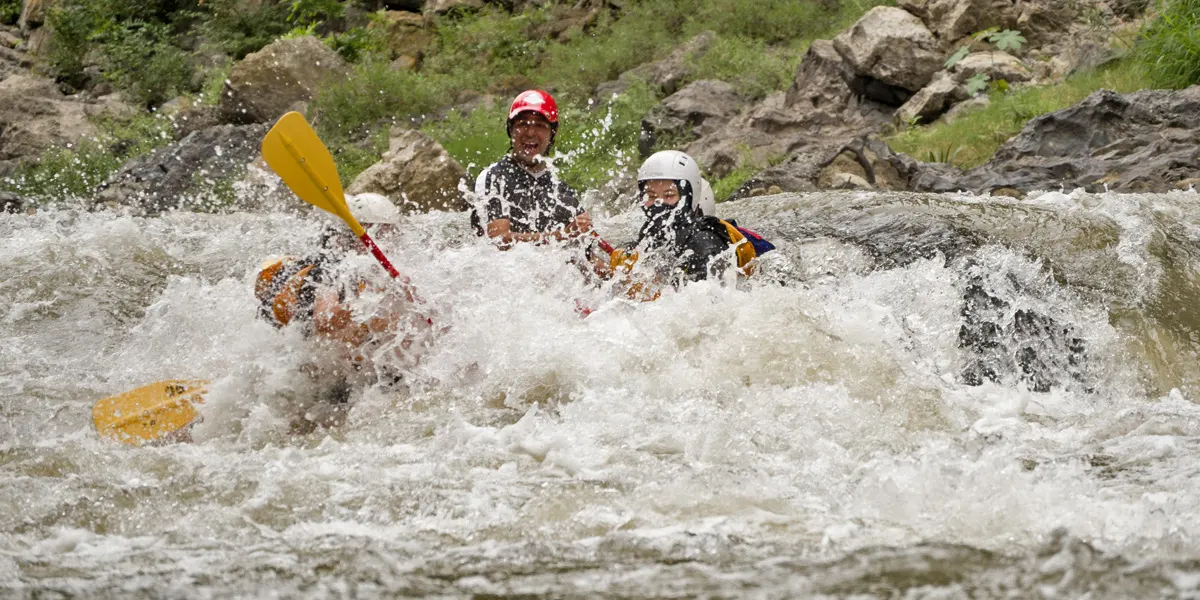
(702, 256)
(501, 231)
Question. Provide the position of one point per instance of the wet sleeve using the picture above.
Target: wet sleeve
(703, 256)
(488, 196)
(570, 199)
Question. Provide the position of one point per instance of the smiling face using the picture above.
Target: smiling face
(530, 135)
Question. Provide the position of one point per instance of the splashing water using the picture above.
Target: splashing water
(810, 435)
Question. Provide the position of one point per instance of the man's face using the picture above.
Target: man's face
(530, 136)
(660, 191)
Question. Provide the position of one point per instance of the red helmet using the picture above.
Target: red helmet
(537, 101)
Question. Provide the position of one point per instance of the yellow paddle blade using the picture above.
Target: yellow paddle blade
(297, 155)
(150, 412)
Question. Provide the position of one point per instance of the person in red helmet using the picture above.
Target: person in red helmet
(519, 198)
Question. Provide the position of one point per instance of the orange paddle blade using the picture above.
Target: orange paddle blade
(297, 155)
(150, 412)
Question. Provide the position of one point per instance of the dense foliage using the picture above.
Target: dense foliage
(1170, 45)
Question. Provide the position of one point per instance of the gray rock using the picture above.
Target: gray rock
(278, 78)
(952, 20)
(35, 116)
(932, 101)
(416, 174)
(696, 110)
(176, 176)
(10, 202)
(820, 110)
(996, 65)
(892, 46)
(1140, 142)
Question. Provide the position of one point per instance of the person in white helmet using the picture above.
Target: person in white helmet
(321, 295)
(682, 239)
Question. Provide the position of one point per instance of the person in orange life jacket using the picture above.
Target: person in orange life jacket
(519, 198)
(319, 294)
(682, 239)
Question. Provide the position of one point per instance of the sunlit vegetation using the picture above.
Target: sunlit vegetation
(1170, 46)
(490, 52)
(75, 172)
(970, 140)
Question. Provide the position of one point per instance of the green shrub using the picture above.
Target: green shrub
(62, 174)
(238, 29)
(754, 69)
(576, 67)
(139, 59)
(358, 43)
(74, 24)
(475, 139)
(10, 11)
(1170, 44)
(309, 12)
(376, 96)
(770, 21)
(595, 142)
(485, 47)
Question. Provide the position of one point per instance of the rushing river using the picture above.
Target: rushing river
(921, 397)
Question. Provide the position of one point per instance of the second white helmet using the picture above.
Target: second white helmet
(676, 166)
(369, 208)
(707, 204)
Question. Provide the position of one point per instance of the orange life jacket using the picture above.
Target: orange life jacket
(284, 290)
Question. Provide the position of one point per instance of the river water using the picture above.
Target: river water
(812, 434)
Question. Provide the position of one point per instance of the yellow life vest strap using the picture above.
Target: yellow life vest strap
(743, 248)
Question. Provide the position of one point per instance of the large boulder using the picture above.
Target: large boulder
(819, 110)
(441, 7)
(1139, 142)
(932, 101)
(184, 174)
(862, 162)
(696, 110)
(35, 116)
(279, 78)
(416, 173)
(996, 65)
(951, 20)
(893, 46)
(409, 35)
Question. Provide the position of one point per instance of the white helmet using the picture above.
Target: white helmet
(707, 204)
(371, 209)
(673, 165)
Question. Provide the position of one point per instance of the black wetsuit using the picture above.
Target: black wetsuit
(686, 245)
(532, 203)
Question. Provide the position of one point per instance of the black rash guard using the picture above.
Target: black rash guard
(691, 246)
(531, 202)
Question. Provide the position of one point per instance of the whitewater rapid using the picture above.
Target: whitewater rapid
(809, 434)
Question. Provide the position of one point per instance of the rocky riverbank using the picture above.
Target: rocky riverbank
(895, 67)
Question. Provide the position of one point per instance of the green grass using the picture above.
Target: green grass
(1170, 44)
(970, 141)
(74, 173)
(759, 45)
